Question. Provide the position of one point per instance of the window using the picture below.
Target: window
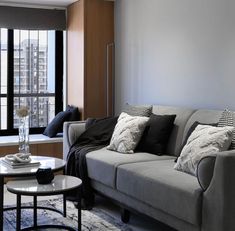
(3, 77)
(31, 75)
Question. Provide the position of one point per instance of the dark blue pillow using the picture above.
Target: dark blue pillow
(56, 124)
(75, 114)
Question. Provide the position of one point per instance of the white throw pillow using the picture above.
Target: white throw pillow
(203, 141)
(127, 133)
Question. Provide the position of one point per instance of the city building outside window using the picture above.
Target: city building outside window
(29, 76)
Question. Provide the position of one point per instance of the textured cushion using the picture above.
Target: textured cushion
(75, 114)
(156, 134)
(203, 116)
(102, 164)
(55, 125)
(228, 119)
(191, 129)
(203, 141)
(138, 110)
(205, 169)
(127, 133)
(157, 184)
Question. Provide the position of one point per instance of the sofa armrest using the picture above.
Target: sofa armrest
(205, 170)
(219, 198)
(72, 130)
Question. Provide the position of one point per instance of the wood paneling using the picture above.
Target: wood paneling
(75, 55)
(45, 149)
(52, 149)
(99, 33)
(91, 26)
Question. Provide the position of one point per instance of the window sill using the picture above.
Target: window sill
(33, 139)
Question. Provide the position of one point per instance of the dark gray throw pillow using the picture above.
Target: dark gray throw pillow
(75, 114)
(156, 134)
(55, 125)
(138, 110)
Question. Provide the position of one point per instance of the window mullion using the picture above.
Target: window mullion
(38, 79)
(19, 66)
(58, 71)
(0, 77)
(10, 80)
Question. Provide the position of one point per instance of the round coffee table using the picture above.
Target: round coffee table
(60, 185)
(55, 164)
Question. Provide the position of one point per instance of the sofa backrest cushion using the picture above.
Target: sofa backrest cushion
(182, 116)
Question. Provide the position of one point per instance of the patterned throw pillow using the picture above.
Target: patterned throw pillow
(228, 119)
(204, 141)
(138, 110)
(127, 133)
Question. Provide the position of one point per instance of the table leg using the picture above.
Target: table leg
(79, 210)
(1, 201)
(18, 212)
(64, 198)
(35, 222)
(64, 204)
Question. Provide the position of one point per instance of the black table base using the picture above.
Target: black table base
(35, 208)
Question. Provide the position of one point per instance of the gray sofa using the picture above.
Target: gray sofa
(148, 183)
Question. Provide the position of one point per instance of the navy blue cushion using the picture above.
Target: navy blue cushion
(56, 124)
(75, 114)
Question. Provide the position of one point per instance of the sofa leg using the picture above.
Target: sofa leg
(125, 215)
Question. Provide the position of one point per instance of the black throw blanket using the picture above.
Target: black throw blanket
(96, 136)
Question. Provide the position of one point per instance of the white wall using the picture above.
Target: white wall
(175, 52)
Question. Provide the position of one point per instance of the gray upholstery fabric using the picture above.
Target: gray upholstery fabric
(102, 164)
(219, 201)
(202, 116)
(156, 183)
(182, 116)
(71, 131)
(143, 208)
(205, 170)
(138, 110)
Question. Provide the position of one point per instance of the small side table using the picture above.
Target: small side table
(60, 185)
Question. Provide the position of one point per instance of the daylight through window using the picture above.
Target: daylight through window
(29, 78)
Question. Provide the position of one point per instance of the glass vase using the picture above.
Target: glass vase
(24, 134)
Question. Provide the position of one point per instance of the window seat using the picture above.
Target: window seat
(39, 145)
(33, 139)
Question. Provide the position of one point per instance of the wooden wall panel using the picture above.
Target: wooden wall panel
(75, 55)
(90, 30)
(45, 149)
(99, 19)
(52, 149)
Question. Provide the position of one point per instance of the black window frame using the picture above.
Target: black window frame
(59, 51)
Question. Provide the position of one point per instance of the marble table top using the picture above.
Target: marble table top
(51, 162)
(60, 184)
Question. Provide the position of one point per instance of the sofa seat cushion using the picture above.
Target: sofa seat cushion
(157, 184)
(102, 164)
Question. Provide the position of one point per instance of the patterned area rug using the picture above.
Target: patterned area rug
(94, 220)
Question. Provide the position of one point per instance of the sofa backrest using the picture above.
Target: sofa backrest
(182, 116)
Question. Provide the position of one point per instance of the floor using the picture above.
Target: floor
(137, 223)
